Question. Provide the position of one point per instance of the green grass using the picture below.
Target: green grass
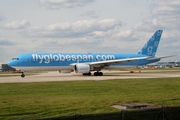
(54, 99)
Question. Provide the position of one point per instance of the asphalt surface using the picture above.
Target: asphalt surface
(55, 76)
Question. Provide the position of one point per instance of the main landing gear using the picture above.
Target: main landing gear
(95, 74)
(98, 73)
(87, 74)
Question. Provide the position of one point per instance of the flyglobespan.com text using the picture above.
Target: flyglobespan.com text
(47, 58)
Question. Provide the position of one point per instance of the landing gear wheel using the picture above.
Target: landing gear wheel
(86, 74)
(98, 74)
(22, 75)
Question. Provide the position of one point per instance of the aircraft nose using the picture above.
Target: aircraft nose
(12, 63)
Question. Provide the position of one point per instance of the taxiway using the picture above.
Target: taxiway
(55, 76)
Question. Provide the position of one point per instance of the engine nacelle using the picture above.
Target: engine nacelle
(82, 68)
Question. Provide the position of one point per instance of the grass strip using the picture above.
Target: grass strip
(56, 99)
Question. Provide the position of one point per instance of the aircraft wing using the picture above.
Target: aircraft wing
(117, 61)
(157, 58)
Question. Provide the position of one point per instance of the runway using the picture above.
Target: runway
(55, 76)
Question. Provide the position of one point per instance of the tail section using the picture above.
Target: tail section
(151, 46)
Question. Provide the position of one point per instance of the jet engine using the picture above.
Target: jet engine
(82, 68)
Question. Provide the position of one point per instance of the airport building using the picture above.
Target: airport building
(175, 64)
(168, 64)
(6, 68)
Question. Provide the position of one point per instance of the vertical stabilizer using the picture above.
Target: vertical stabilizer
(151, 46)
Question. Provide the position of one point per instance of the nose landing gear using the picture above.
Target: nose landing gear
(22, 75)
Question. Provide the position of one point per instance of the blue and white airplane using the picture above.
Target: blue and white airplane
(85, 63)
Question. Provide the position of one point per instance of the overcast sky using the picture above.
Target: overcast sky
(97, 26)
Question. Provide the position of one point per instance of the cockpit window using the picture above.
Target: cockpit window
(15, 59)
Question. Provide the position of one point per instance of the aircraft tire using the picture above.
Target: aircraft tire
(86, 74)
(23, 75)
(98, 73)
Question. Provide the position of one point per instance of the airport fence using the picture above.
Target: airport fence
(164, 113)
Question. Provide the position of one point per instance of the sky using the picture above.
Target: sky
(87, 26)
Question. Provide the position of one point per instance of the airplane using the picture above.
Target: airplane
(86, 63)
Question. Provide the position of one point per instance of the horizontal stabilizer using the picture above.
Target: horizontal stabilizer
(157, 58)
